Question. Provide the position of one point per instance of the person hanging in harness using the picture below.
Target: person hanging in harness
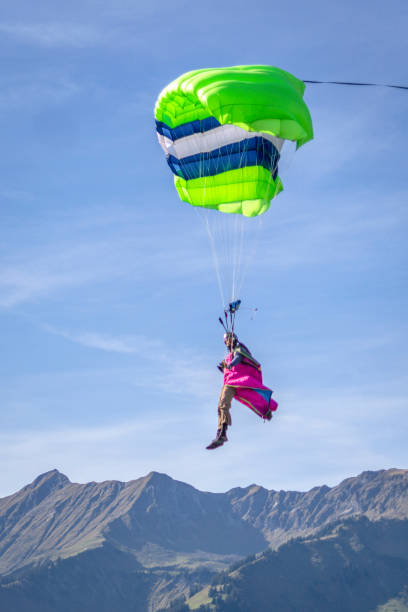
(243, 382)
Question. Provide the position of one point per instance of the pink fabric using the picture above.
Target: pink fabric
(247, 379)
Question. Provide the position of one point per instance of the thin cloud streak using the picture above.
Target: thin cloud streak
(40, 274)
(134, 447)
(129, 344)
(43, 91)
(157, 369)
(57, 34)
(311, 238)
(177, 371)
(343, 141)
(44, 272)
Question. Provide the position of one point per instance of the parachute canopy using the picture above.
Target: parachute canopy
(222, 130)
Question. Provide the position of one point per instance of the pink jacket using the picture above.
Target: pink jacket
(250, 390)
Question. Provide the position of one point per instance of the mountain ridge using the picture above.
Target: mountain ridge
(157, 539)
(54, 517)
(354, 565)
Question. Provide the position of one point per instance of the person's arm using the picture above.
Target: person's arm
(235, 361)
(221, 366)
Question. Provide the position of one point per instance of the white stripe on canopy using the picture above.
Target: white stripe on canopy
(213, 139)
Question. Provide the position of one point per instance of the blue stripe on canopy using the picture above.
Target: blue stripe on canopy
(187, 129)
(255, 151)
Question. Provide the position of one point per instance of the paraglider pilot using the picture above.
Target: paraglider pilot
(242, 381)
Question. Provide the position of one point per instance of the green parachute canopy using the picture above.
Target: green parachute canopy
(222, 130)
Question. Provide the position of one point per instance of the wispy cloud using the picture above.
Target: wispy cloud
(148, 369)
(171, 369)
(129, 344)
(307, 233)
(57, 34)
(41, 274)
(64, 253)
(345, 141)
(127, 441)
(312, 440)
(41, 90)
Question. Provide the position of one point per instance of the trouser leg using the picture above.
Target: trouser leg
(224, 406)
(224, 417)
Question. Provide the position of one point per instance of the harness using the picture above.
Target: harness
(241, 349)
(247, 357)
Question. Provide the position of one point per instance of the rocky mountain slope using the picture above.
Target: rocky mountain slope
(283, 514)
(160, 534)
(53, 518)
(156, 517)
(354, 565)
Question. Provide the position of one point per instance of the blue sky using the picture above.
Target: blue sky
(108, 296)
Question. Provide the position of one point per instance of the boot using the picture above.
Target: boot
(268, 415)
(220, 438)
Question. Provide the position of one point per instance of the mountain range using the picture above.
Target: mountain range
(143, 544)
(355, 565)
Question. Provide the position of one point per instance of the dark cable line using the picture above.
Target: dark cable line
(358, 84)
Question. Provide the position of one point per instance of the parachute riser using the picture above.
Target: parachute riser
(229, 315)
